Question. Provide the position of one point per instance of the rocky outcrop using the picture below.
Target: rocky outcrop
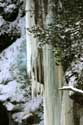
(8, 33)
(15, 88)
(10, 9)
(74, 78)
(10, 13)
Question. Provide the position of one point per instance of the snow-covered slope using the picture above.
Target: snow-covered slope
(15, 89)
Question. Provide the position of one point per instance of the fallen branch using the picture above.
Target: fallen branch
(70, 88)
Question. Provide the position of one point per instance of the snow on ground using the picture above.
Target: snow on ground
(12, 91)
(10, 8)
(28, 109)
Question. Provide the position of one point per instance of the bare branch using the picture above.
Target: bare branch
(70, 88)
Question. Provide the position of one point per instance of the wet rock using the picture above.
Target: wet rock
(10, 12)
(4, 120)
(11, 9)
(8, 34)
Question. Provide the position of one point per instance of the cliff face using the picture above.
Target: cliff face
(15, 87)
(9, 30)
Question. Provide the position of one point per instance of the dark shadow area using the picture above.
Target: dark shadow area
(78, 98)
(33, 120)
(76, 115)
(4, 120)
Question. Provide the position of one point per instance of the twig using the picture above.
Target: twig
(70, 88)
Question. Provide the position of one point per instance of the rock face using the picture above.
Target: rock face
(74, 78)
(9, 31)
(10, 9)
(3, 115)
(15, 88)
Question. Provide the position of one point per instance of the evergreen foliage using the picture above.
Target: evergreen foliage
(65, 34)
